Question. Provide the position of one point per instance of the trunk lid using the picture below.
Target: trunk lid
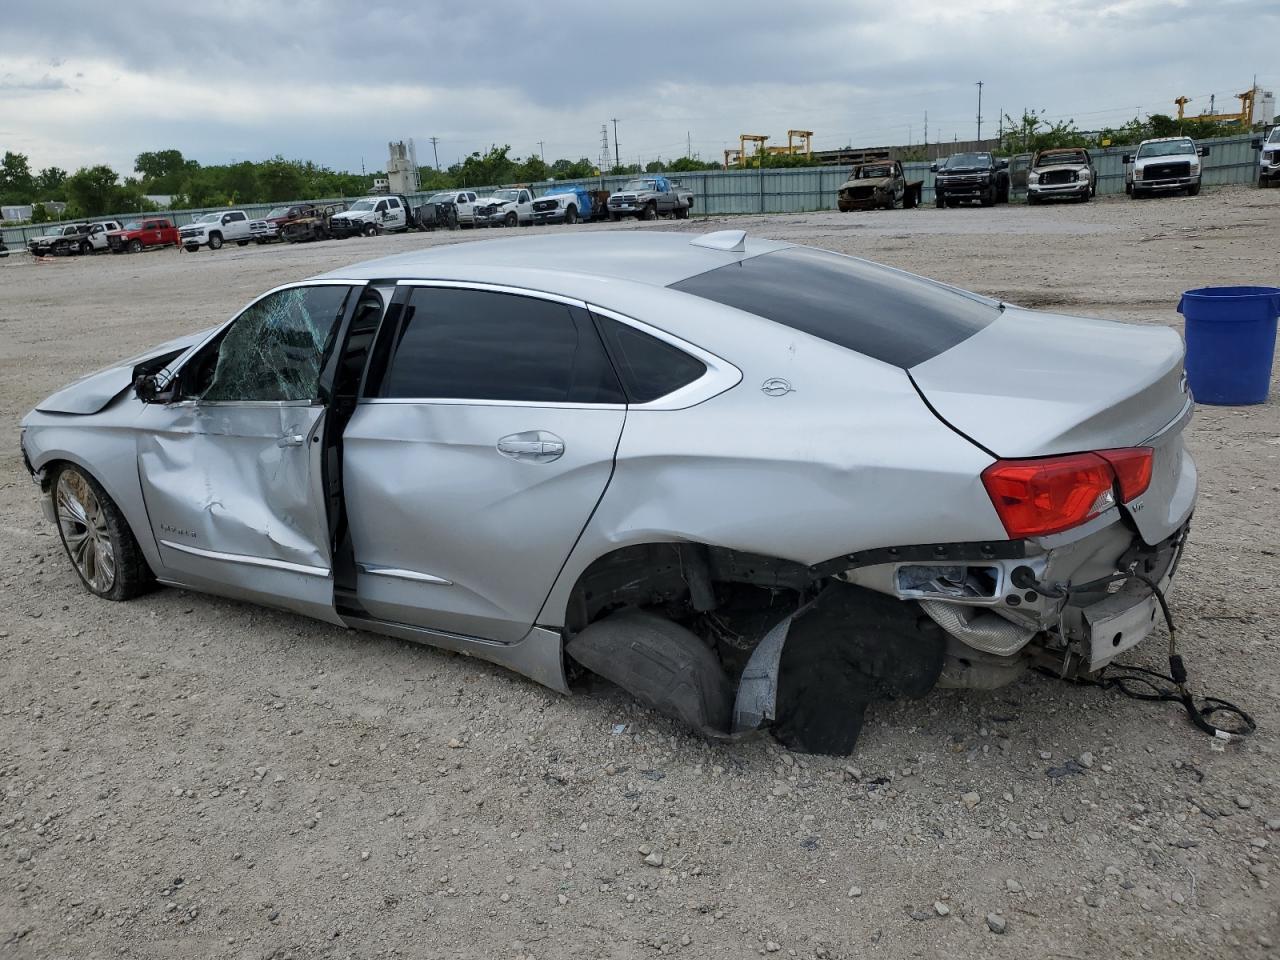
(1034, 384)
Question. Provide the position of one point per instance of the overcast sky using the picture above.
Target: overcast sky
(334, 80)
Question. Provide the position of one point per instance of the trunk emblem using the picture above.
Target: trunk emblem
(776, 387)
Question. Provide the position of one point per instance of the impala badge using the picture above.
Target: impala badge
(776, 387)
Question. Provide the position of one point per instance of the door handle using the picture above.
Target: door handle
(534, 446)
(291, 440)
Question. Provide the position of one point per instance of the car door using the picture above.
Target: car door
(232, 468)
(476, 455)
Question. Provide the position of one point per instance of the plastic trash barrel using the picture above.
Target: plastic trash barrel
(1231, 341)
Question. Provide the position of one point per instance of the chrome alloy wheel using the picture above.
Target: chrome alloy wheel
(83, 525)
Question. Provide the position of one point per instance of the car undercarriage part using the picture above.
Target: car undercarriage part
(850, 648)
(1123, 677)
(661, 663)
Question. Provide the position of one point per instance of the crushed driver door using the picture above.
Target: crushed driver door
(232, 469)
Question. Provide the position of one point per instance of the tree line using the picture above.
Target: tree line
(98, 190)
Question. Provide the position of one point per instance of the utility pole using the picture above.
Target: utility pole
(542, 151)
(434, 152)
(617, 157)
(926, 129)
(688, 144)
(979, 111)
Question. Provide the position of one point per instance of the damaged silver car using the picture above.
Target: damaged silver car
(755, 484)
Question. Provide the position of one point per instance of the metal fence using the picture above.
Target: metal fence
(786, 190)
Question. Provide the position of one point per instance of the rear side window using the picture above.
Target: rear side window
(649, 368)
(882, 313)
(480, 345)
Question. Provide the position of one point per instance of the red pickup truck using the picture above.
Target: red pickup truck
(148, 232)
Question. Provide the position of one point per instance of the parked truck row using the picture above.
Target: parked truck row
(645, 198)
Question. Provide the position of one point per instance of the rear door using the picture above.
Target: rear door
(476, 455)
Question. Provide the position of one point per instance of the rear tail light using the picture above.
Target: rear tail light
(1047, 495)
(1133, 469)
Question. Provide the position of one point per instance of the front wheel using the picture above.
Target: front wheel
(135, 246)
(84, 247)
(939, 201)
(1194, 189)
(97, 538)
(510, 220)
(650, 212)
(571, 214)
(1128, 188)
(370, 230)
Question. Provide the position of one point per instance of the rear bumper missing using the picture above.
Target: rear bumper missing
(1082, 602)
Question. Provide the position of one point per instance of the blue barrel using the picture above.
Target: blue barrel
(1231, 341)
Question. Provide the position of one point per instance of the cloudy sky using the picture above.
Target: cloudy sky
(334, 80)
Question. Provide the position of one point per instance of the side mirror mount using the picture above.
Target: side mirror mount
(155, 388)
(933, 168)
(1127, 158)
(1257, 143)
(1204, 151)
(1002, 164)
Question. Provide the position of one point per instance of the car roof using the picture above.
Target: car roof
(1164, 139)
(650, 257)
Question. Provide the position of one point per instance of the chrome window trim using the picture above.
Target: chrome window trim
(720, 375)
(248, 560)
(379, 570)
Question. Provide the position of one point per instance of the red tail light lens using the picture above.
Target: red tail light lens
(1038, 497)
(1047, 495)
(1133, 469)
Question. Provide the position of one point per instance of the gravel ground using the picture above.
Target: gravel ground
(184, 776)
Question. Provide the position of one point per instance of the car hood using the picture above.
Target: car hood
(94, 392)
(1035, 384)
(1065, 165)
(1170, 158)
(867, 182)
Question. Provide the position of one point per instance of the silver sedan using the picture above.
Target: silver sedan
(755, 484)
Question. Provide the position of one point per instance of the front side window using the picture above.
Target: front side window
(273, 351)
(381, 207)
(461, 344)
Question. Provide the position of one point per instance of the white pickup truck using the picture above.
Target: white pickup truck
(1167, 163)
(505, 208)
(212, 230)
(73, 238)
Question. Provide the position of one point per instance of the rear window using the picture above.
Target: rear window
(877, 311)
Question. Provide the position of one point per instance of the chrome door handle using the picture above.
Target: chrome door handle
(291, 440)
(534, 446)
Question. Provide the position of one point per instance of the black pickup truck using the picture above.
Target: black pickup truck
(970, 176)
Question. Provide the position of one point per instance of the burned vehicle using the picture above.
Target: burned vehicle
(880, 185)
(583, 414)
(436, 215)
(1061, 172)
(314, 226)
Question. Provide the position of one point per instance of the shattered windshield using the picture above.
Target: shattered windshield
(363, 205)
(1170, 148)
(275, 349)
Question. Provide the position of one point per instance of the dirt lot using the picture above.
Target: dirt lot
(184, 776)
